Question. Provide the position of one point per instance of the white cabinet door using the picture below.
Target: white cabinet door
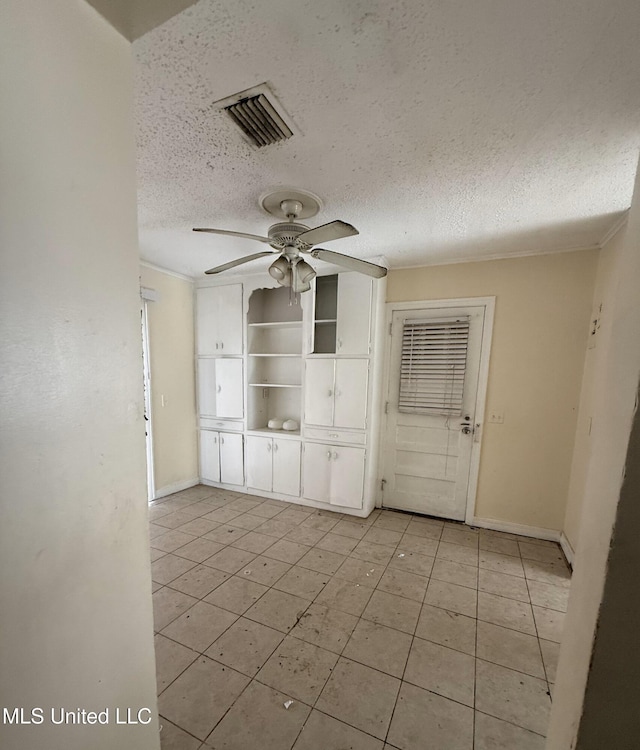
(219, 320)
(318, 395)
(286, 467)
(209, 456)
(231, 458)
(354, 313)
(230, 319)
(259, 470)
(229, 389)
(207, 387)
(317, 471)
(351, 384)
(206, 321)
(347, 476)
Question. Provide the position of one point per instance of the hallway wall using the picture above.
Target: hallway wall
(75, 583)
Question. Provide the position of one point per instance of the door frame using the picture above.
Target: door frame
(146, 374)
(488, 303)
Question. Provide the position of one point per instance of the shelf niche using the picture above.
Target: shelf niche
(326, 312)
(275, 333)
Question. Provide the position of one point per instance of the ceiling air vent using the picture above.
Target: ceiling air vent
(259, 116)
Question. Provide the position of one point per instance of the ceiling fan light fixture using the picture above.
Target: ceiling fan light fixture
(304, 272)
(279, 269)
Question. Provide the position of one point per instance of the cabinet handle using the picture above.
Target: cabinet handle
(334, 434)
(330, 393)
(335, 455)
(221, 440)
(339, 343)
(328, 455)
(338, 393)
(275, 447)
(218, 389)
(215, 440)
(222, 344)
(268, 447)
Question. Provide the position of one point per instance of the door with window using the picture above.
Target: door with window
(431, 424)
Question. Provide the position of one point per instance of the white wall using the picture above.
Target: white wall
(615, 386)
(75, 613)
(603, 301)
(173, 399)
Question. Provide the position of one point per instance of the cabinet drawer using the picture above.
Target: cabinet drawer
(335, 436)
(228, 425)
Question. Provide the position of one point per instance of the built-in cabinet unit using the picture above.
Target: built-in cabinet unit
(336, 393)
(220, 388)
(220, 383)
(219, 320)
(273, 465)
(265, 355)
(334, 474)
(221, 457)
(274, 335)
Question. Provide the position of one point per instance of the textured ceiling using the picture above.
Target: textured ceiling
(443, 131)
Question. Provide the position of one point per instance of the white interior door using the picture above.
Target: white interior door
(286, 467)
(318, 396)
(428, 442)
(351, 383)
(259, 463)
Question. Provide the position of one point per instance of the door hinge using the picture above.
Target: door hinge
(382, 484)
(390, 328)
(386, 407)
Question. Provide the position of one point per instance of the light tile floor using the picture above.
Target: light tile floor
(279, 627)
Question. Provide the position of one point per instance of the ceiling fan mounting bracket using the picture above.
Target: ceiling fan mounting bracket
(277, 202)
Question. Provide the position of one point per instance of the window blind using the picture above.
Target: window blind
(433, 364)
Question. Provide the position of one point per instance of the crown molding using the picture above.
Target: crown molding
(167, 271)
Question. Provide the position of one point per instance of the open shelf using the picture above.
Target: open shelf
(274, 433)
(273, 354)
(278, 324)
(275, 385)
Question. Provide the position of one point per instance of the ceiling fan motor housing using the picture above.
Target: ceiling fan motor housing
(286, 233)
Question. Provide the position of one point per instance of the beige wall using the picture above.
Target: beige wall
(171, 346)
(75, 582)
(543, 305)
(603, 300)
(616, 372)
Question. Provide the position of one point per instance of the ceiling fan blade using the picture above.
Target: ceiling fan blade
(353, 264)
(334, 230)
(234, 234)
(240, 261)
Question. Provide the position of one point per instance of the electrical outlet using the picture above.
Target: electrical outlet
(496, 417)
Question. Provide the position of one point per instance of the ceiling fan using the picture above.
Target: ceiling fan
(290, 240)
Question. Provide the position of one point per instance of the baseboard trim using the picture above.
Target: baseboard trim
(567, 549)
(550, 535)
(169, 489)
